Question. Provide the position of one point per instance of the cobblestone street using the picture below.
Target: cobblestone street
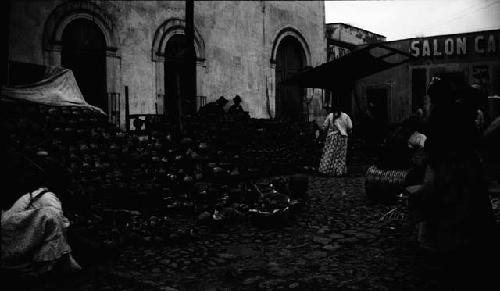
(338, 243)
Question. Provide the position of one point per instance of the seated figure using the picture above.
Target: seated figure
(214, 109)
(34, 226)
(33, 235)
(236, 110)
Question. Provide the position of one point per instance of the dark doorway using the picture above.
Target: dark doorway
(377, 103)
(176, 103)
(289, 61)
(84, 52)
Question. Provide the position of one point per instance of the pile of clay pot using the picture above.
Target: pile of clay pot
(281, 148)
(263, 147)
(147, 180)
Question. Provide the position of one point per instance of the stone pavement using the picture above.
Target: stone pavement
(338, 243)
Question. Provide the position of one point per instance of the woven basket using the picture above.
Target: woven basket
(384, 185)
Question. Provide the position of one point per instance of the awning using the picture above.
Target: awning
(360, 63)
(58, 87)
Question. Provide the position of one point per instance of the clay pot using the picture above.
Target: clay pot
(218, 170)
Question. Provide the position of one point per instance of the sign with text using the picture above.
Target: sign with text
(486, 43)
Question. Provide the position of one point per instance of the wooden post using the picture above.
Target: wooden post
(127, 109)
(189, 95)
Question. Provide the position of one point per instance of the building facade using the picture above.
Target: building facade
(342, 38)
(398, 92)
(130, 52)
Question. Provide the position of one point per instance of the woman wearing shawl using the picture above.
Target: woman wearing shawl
(333, 161)
(34, 226)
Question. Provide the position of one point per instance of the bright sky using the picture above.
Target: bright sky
(398, 19)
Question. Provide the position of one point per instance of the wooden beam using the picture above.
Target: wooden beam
(189, 78)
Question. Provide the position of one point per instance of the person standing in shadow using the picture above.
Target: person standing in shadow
(456, 226)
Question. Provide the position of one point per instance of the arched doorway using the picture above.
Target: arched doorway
(289, 61)
(84, 52)
(176, 101)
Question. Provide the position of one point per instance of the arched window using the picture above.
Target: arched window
(176, 101)
(84, 52)
(168, 56)
(290, 60)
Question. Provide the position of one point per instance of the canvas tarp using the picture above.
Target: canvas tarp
(57, 88)
(362, 62)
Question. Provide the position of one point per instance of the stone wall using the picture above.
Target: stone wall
(236, 44)
(342, 38)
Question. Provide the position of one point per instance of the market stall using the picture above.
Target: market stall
(384, 180)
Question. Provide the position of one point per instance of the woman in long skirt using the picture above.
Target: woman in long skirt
(333, 160)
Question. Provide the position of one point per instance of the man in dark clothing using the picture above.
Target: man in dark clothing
(214, 109)
(236, 107)
(236, 110)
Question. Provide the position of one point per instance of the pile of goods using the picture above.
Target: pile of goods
(264, 203)
(257, 147)
(277, 148)
(162, 173)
